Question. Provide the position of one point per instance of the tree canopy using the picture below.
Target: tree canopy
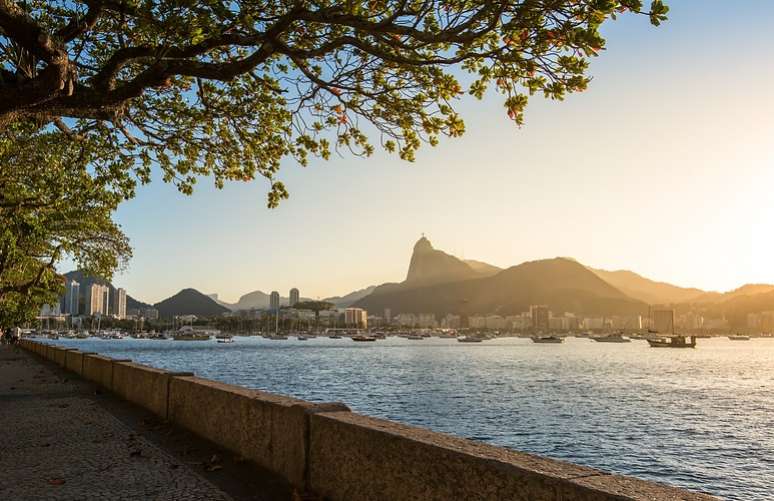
(230, 89)
(95, 94)
(51, 207)
(316, 306)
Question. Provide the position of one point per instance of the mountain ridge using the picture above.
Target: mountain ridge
(563, 284)
(189, 302)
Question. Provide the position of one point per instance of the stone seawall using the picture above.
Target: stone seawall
(325, 449)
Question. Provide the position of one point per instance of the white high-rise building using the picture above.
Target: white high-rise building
(294, 297)
(118, 305)
(356, 317)
(72, 298)
(274, 301)
(105, 300)
(96, 300)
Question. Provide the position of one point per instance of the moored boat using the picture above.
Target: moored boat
(673, 342)
(188, 333)
(739, 337)
(363, 339)
(611, 338)
(547, 339)
(470, 339)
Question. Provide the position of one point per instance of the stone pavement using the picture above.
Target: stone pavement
(62, 439)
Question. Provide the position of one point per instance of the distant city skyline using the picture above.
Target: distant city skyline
(676, 119)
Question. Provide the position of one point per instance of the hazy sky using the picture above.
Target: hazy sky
(664, 166)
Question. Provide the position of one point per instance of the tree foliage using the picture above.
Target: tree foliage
(52, 206)
(230, 89)
(316, 306)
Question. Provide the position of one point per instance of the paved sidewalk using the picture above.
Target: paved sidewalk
(60, 438)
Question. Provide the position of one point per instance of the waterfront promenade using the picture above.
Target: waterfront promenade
(63, 438)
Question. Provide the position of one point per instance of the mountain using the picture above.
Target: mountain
(745, 290)
(351, 298)
(189, 302)
(252, 300)
(214, 297)
(647, 290)
(483, 268)
(431, 266)
(563, 284)
(87, 281)
(735, 307)
(255, 300)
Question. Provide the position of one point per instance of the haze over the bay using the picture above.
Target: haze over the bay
(664, 166)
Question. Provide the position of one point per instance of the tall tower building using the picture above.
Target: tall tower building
(105, 300)
(95, 300)
(356, 317)
(72, 298)
(118, 304)
(540, 315)
(274, 301)
(293, 297)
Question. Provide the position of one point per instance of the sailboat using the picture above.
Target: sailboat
(277, 336)
(671, 340)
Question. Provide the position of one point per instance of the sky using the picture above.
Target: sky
(665, 166)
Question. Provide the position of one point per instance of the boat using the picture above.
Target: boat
(224, 338)
(469, 339)
(335, 336)
(547, 339)
(414, 337)
(363, 339)
(188, 333)
(301, 338)
(82, 334)
(739, 337)
(190, 336)
(673, 342)
(611, 338)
